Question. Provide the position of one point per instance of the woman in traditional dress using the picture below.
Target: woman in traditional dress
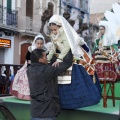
(83, 89)
(106, 50)
(20, 86)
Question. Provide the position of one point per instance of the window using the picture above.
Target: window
(29, 8)
(11, 14)
(84, 5)
(9, 3)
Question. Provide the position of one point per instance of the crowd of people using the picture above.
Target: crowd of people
(37, 79)
(5, 82)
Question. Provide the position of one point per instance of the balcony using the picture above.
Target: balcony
(70, 2)
(81, 5)
(8, 17)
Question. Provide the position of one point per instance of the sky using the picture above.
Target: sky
(100, 6)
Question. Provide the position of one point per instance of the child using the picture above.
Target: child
(39, 43)
(20, 86)
(59, 42)
(81, 91)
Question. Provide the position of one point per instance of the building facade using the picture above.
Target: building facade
(20, 22)
(78, 9)
(8, 26)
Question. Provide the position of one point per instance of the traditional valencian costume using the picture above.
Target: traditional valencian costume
(106, 50)
(20, 85)
(83, 89)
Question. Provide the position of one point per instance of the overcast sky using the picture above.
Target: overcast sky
(100, 6)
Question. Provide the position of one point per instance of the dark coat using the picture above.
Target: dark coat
(44, 98)
(28, 57)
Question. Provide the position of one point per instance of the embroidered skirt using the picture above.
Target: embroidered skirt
(81, 92)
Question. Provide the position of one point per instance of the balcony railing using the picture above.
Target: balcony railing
(70, 2)
(8, 16)
(7, 67)
(81, 6)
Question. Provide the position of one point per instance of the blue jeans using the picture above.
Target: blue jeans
(54, 118)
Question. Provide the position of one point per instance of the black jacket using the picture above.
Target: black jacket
(28, 57)
(44, 98)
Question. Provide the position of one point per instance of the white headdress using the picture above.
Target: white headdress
(112, 26)
(55, 19)
(109, 36)
(73, 38)
(33, 46)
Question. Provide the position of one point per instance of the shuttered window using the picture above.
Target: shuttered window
(2, 55)
(9, 3)
(29, 8)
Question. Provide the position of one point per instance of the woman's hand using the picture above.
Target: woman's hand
(55, 64)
